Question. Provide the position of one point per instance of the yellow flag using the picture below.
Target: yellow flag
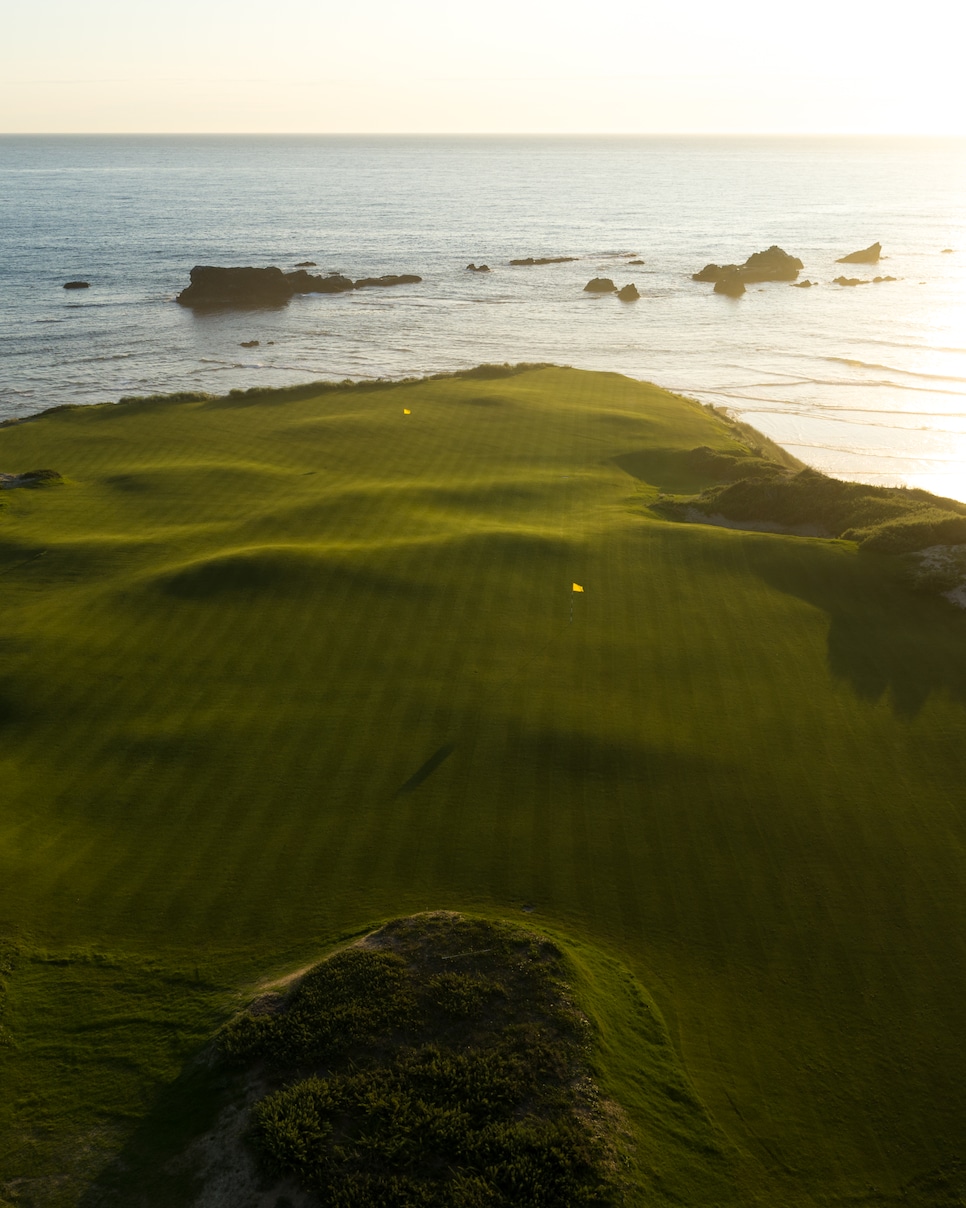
(577, 587)
(406, 411)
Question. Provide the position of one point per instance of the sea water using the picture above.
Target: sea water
(865, 382)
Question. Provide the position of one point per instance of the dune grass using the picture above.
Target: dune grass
(241, 627)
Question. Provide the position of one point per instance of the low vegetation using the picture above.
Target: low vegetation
(440, 1063)
(892, 520)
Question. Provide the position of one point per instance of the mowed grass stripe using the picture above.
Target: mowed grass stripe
(740, 766)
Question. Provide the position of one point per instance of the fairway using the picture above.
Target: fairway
(275, 668)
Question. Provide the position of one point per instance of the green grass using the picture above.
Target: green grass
(241, 626)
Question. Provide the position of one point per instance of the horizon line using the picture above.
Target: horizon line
(881, 134)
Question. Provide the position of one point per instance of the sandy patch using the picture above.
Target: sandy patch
(943, 568)
(754, 526)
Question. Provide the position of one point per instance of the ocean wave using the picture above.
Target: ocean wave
(932, 377)
(877, 383)
(828, 413)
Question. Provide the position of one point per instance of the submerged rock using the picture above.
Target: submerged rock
(306, 264)
(636, 262)
(801, 284)
(248, 344)
(310, 283)
(530, 260)
(849, 281)
(600, 285)
(630, 293)
(389, 279)
(477, 268)
(77, 285)
(876, 280)
(868, 255)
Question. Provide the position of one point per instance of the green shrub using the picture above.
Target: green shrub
(400, 1080)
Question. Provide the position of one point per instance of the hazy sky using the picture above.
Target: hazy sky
(482, 65)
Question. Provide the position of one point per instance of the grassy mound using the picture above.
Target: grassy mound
(440, 1063)
(893, 520)
(275, 665)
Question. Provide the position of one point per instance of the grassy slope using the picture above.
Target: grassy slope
(739, 768)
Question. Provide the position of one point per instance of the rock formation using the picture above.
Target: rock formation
(731, 284)
(477, 268)
(236, 288)
(253, 288)
(801, 284)
(545, 260)
(306, 264)
(77, 285)
(849, 281)
(868, 255)
(302, 282)
(600, 285)
(248, 344)
(630, 293)
(773, 264)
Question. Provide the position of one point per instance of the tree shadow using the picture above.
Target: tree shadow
(885, 639)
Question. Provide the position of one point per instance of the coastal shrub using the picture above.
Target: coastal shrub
(491, 372)
(400, 1080)
(888, 519)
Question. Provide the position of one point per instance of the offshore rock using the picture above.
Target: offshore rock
(77, 285)
(630, 293)
(731, 284)
(773, 264)
(849, 281)
(214, 288)
(600, 285)
(306, 264)
(868, 255)
(477, 268)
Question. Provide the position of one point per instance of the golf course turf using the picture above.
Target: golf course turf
(276, 668)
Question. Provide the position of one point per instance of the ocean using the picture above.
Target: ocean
(866, 382)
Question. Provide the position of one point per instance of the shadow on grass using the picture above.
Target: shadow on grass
(428, 768)
(884, 638)
(145, 1174)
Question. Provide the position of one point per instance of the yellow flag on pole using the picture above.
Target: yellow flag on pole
(406, 411)
(577, 587)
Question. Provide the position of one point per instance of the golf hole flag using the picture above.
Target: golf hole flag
(577, 587)
(406, 411)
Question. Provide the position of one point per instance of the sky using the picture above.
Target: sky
(483, 66)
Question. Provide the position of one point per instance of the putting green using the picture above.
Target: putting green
(274, 668)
